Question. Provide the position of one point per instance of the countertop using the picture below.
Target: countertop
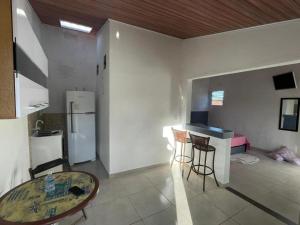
(58, 133)
(211, 131)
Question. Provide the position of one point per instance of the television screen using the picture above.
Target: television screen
(284, 81)
(199, 117)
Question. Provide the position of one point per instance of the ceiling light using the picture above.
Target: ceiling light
(75, 26)
(117, 35)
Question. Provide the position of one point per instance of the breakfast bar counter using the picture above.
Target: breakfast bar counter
(221, 140)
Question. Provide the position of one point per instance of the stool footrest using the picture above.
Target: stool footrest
(184, 157)
(194, 168)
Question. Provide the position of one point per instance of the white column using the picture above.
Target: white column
(222, 157)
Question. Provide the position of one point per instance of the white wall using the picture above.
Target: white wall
(243, 49)
(150, 87)
(14, 152)
(14, 141)
(144, 95)
(103, 96)
(236, 51)
(200, 97)
(72, 63)
(251, 106)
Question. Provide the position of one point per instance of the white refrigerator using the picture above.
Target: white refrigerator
(81, 126)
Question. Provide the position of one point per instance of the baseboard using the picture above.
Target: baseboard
(141, 169)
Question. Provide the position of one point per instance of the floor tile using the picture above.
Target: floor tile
(229, 222)
(269, 182)
(117, 212)
(131, 184)
(291, 192)
(226, 201)
(195, 183)
(144, 197)
(108, 191)
(166, 217)
(138, 223)
(78, 217)
(94, 167)
(251, 190)
(167, 189)
(204, 212)
(252, 216)
(148, 202)
(159, 175)
(281, 205)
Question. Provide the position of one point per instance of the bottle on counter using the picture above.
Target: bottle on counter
(49, 183)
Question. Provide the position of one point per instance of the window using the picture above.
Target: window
(217, 98)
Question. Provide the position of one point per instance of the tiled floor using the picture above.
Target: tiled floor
(160, 196)
(275, 185)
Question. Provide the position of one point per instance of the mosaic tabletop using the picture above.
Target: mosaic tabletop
(29, 204)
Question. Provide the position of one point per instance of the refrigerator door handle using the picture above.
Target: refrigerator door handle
(71, 110)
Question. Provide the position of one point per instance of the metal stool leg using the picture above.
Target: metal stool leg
(199, 162)
(181, 148)
(214, 169)
(183, 158)
(192, 163)
(174, 154)
(84, 214)
(204, 171)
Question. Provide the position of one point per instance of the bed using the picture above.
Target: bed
(239, 143)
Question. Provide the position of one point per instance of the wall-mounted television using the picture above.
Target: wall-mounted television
(284, 81)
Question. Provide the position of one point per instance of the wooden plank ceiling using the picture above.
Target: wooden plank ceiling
(179, 18)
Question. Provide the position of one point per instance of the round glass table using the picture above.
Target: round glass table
(29, 204)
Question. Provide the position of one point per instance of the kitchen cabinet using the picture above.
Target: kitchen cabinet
(45, 149)
(24, 82)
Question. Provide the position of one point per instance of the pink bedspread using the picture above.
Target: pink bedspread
(238, 140)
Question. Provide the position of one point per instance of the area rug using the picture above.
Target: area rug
(245, 158)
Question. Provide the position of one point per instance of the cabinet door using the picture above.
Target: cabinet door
(7, 95)
(31, 64)
(30, 96)
(27, 42)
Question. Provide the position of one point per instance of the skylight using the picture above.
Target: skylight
(75, 26)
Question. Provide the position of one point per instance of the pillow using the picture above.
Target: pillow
(296, 161)
(276, 156)
(286, 153)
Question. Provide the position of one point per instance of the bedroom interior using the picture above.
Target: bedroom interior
(264, 118)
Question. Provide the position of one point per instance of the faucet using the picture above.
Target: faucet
(37, 128)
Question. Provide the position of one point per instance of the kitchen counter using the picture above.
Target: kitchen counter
(46, 148)
(221, 140)
(211, 131)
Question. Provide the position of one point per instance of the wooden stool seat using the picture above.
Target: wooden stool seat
(181, 137)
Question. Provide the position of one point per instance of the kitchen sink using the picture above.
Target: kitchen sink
(45, 146)
(45, 133)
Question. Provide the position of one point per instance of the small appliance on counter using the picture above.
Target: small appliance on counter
(81, 126)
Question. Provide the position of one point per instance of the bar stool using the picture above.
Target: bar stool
(201, 144)
(181, 137)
